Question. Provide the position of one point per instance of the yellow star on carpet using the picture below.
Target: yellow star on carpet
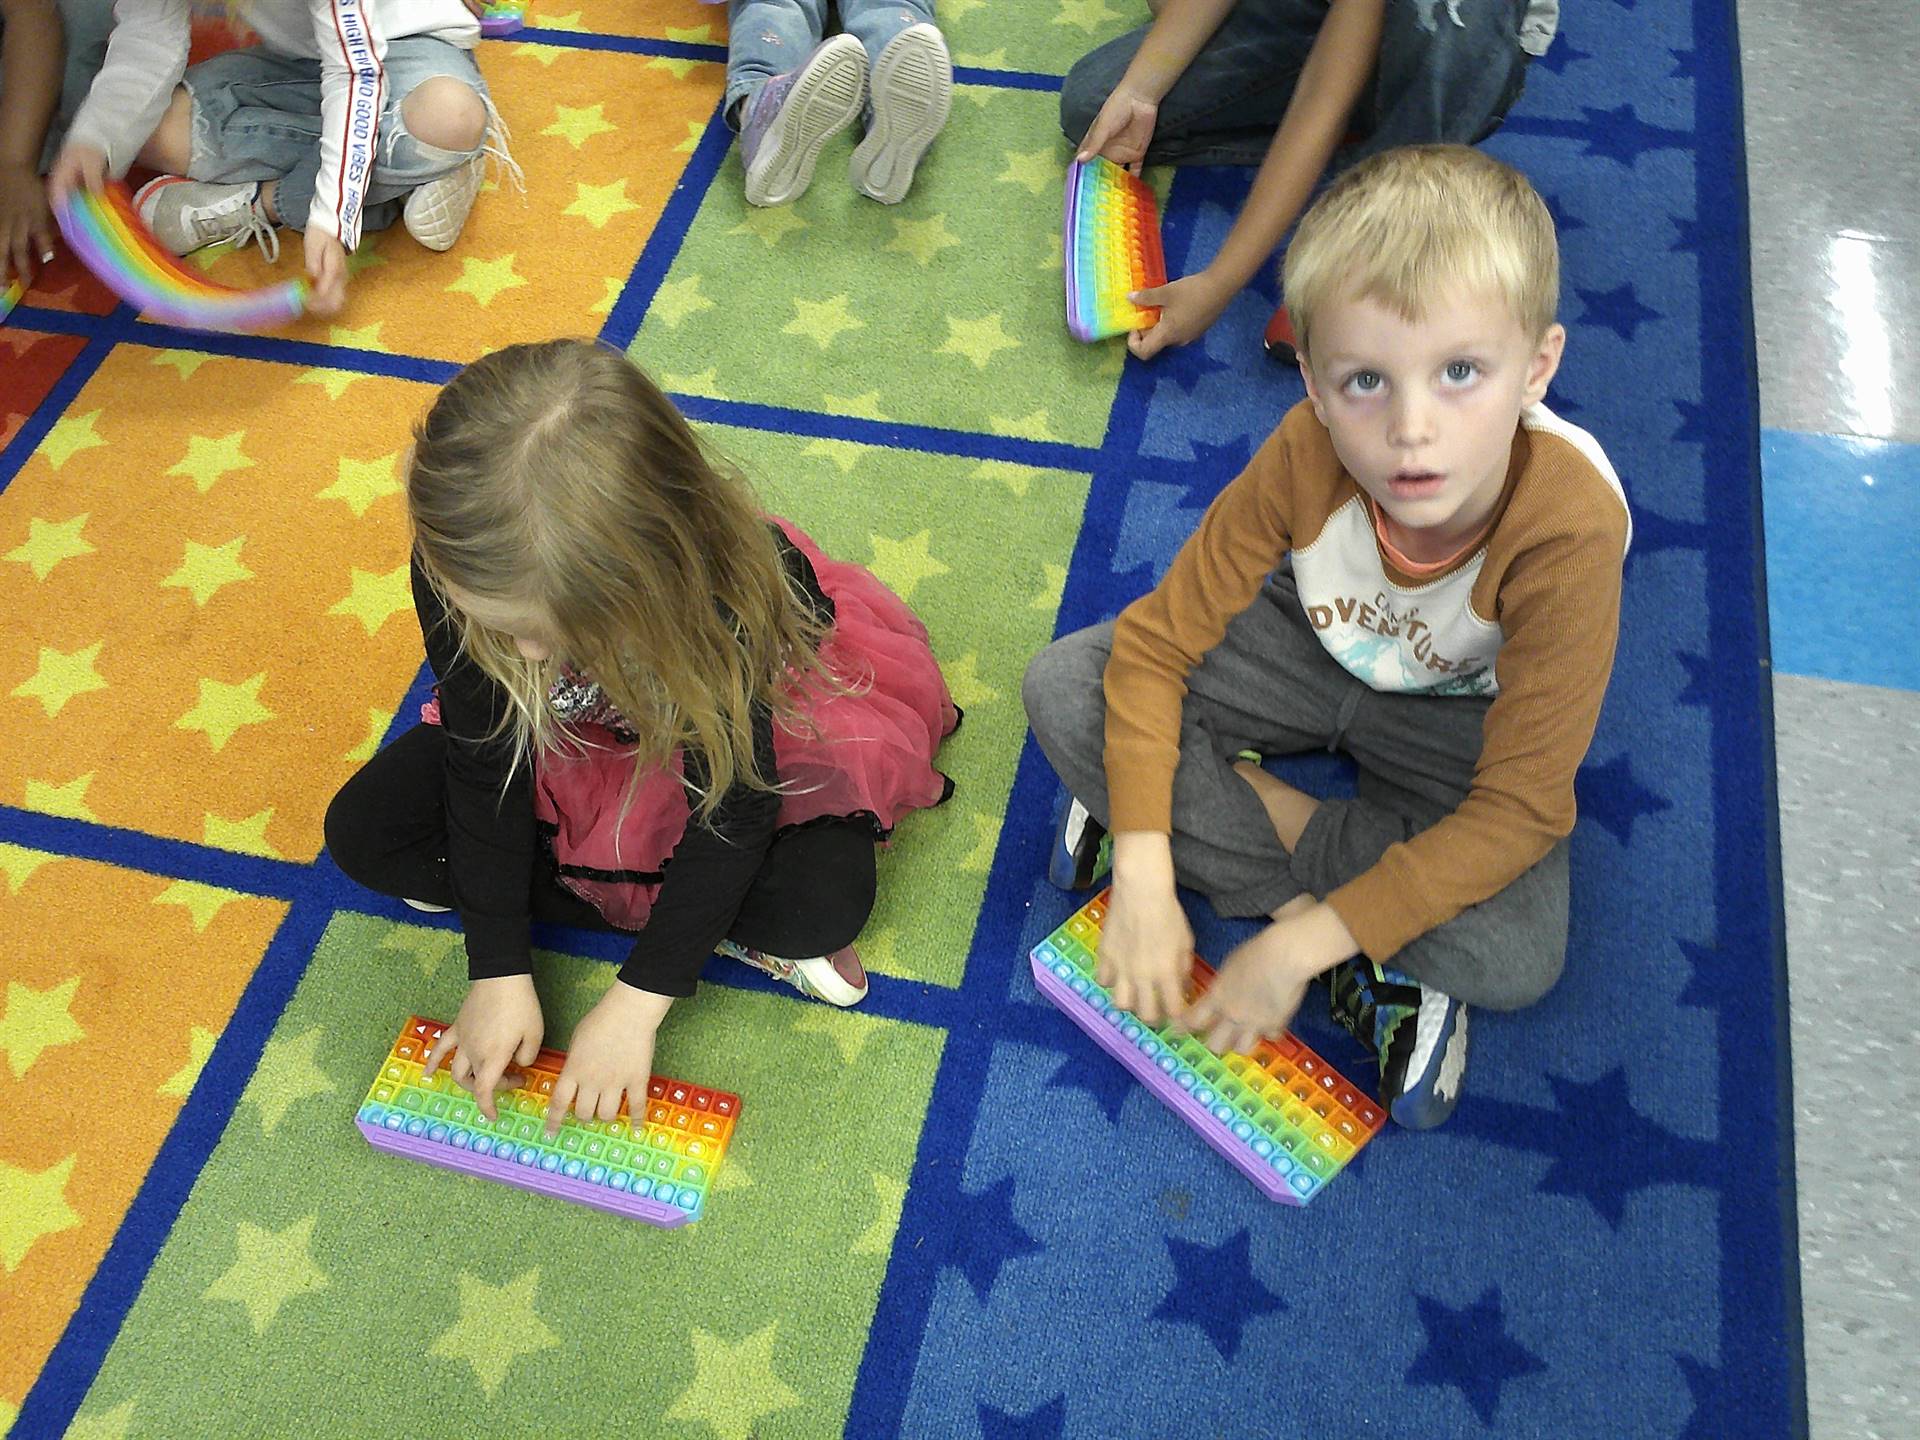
(286, 1075)
(179, 1085)
(986, 839)
(732, 1176)
(485, 279)
(822, 321)
(208, 459)
(63, 674)
(224, 708)
(497, 1325)
(201, 902)
(576, 127)
(979, 340)
(903, 564)
(877, 1238)
(1089, 15)
(922, 239)
(604, 305)
(1016, 477)
(69, 436)
(772, 223)
(1038, 170)
(102, 1425)
(674, 66)
(733, 1385)
(366, 257)
(19, 865)
(1024, 427)
(187, 362)
(334, 382)
(695, 130)
(597, 204)
(1056, 253)
(1052, 589)
(247, 837)
(429, 947)
(675, 300)
(707, 382)
(845, 454)
(47, 544)
(878, 950)
(848, 1032)
(37, 1020)
(593, 982)
(866, 406)
(361, 482)
(377, 722)
(271, 1268)
(207, 568)
(367, 337)
(32, 1205)
(965, 684)
(375, 599)
(693, 35)
(951, 10)
(69, 799)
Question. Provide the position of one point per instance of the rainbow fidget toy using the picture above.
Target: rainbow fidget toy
(503, 17)
(116, 245)
(10, 297)
(1286, 1118)
(1111, 240)
(658, 1170)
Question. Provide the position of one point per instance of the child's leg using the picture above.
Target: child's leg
(767, 38)
(813, 893)
(87, 24)
(1446, 73)
(1228, 102)
(910, 91)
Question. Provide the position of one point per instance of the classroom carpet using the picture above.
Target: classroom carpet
(944, 1213)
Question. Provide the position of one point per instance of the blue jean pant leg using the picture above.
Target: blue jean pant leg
(86, 25)
(876, 23)
(256, 116)
(767, 38)
(1449, 70)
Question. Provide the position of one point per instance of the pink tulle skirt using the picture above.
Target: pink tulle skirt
(865, 753)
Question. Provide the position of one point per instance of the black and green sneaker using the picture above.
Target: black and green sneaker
(1418, 1034)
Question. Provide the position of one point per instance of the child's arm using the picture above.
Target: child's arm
(352, 83)
(146, 56)
(1124, 126)
(30, 54)
(1338, 66)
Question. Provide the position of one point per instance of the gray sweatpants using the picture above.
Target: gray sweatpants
(1270, 686)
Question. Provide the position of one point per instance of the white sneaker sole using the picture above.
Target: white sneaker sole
(912, 95)
(821, 104)
(435, 213)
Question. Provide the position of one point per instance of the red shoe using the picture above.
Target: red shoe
(1280, 343)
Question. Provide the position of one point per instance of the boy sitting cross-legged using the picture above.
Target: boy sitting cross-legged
(1421, 567)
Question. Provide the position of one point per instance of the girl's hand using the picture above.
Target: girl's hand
(611, 1056)
(1187, 307)
(26, 224)
(1122, 130)
(1146, 951)
(327, 268)
(77, 165)
(499, 1025)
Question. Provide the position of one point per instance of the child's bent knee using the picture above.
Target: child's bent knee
(445, 113)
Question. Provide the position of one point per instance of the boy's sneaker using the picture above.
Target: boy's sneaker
(1419, 1035)
(791, 116)
(1279, 340)
(912, 87)
(436, 212)
(1080, 851)
(839, 978)
(187, 215)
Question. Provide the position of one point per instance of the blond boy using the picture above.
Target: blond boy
(1421, 568)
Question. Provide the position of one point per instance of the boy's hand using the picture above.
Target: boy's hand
(1260, 985)
(499, 1025)
(1122, 130)
(1188, 306)
(1146, 944)
(327, 268)
(611, 1055)
(78, 165)
(26, 224)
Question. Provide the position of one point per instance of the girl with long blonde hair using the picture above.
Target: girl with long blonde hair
(658, 710)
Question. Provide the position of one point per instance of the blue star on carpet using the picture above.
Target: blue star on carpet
(1703, 988)
(1686, 64)
(1153, 527)
(1619, 309)
(1045, 1423)
(1563, 218)
(1089, 1068)
(1698, 693)
(1620, 135)
(1606, 1149)
(1561, 54)
(1609, 794)
(1713, 1416)
(1470, 1350)
(1654, 532)
(1214, 1288)
(1693, 423)
(984, 1235)
(1687, 233)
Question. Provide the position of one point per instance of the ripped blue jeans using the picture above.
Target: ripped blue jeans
(1448, 71)
(256, 116)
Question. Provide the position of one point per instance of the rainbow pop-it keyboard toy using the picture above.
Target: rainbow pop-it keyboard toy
(1111, 240)
(503, 17)
(658, 1169)
(1285, 1117)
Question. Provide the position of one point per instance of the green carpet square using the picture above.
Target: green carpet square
(1043, 35)
(319, 1286)
(946, 310)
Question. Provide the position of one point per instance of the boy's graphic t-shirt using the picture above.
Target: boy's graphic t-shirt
(1527, 617)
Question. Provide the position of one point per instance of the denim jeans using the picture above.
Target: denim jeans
(256, 116)
(1448, 71)
(770, 37)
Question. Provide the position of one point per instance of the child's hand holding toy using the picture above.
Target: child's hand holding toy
(611, 1055)
(499, 1026)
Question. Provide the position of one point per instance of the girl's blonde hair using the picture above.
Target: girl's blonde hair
(554, 480)
(1406, 225)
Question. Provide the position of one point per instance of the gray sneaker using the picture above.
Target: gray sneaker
(187, 215)
(436, 212)
(912, 88)
(792, 115)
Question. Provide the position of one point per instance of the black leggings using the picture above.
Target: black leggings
(387, 829)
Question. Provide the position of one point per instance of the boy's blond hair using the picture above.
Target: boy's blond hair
(1407, 225)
